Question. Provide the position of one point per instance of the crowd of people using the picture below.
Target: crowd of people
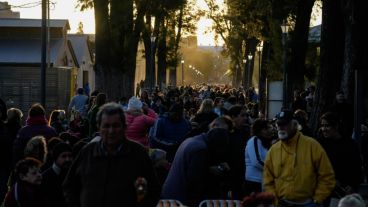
(189, 144)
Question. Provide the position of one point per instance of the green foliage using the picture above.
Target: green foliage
(84, 4)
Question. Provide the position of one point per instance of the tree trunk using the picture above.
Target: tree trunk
(102, 39)
(299, 46)
(332, 54)
(161, 55)
(347, 79)
(350, 55)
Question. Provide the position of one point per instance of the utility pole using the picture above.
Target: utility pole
(43, 54)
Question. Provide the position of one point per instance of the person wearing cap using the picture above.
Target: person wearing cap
(113, 171)
(138, 123)
(297, 170)
(53, 177)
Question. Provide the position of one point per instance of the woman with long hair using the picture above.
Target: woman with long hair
(255, 154)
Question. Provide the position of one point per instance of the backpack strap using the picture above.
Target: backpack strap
(257, 151)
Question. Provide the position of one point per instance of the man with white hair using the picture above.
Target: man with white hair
(297, 170)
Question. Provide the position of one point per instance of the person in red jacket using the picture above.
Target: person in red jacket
(139, 119)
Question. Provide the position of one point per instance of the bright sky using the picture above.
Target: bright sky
(65, 9)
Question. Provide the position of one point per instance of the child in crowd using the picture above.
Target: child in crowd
(26, 191)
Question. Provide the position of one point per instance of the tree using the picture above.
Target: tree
(118, 28)
(343, 50)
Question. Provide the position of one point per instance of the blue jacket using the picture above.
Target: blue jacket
(169, 131)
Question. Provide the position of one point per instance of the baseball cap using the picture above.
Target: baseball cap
(284, 117)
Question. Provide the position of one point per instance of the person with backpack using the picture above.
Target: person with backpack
(255, 154)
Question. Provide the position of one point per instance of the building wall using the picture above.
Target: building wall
(20, 87)
(6, 12)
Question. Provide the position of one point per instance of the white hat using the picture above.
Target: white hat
(134, 103)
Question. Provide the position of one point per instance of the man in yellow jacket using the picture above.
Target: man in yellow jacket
(297, 170)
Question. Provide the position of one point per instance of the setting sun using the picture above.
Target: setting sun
(65, 9)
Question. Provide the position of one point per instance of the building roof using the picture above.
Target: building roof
(15, 22)
(15, 51)
(80, 45)
(314, 34)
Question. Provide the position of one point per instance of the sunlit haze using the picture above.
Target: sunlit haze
(65, 9)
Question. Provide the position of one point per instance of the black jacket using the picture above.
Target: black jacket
(97, 179)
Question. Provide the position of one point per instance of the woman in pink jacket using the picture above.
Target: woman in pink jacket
(139, 119)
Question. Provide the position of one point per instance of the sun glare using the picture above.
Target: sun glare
(65, 9)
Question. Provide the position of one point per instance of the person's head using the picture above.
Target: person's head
(262, 128)
(62, 155)
(239, 116)
(51, 143)
(217, 142)
(14, 115)
(36, 148)
(301, 116)
(80, 91)
(286, 124)
(329, 125)
(144, 94)
(176, 112)
(352, 200)
(223, 122)
(54, 116)
(62, 115)
(111, 123)
(340, 97)
(101, 99)
(206, 106)
(28, 170)
(134, 104)
(232, 100)
(219, 102)
(36, 110)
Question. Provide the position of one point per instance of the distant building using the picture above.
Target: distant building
(85, 60)
(314, 34)
(20, 63)
(6, 12)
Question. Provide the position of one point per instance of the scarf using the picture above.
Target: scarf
(36, 120)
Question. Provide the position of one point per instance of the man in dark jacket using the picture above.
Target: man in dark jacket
(54, 176)
(196, 162)
(113, 171)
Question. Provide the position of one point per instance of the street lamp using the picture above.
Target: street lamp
(236, 75)
(259, 49)
(182, 72)
(152, 75)
(250, 57)
(285, 28)
(245, 74)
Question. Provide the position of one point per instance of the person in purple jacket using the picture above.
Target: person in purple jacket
(36, 124)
